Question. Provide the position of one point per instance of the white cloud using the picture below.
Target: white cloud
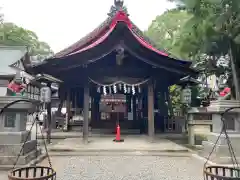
(63, 22)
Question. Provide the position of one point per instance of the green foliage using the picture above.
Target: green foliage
(13, 35)
(213, 31)
(166, 28)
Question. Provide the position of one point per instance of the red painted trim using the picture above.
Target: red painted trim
(97, 42)
(147, 45)
(121, 17)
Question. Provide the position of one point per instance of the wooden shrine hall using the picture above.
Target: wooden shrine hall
(116, 58)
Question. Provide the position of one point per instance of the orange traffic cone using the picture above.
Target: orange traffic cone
(118, 135)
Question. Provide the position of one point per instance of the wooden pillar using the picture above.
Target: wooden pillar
(49, 118)
(134, 107)
(97, 106)
(68, 109)
(151, 128)
(93, 109)
(86, 114)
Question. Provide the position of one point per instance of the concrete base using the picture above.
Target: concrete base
(9, 153)
(221, 152)
(14, 149)
(13, 137)
(23, 159)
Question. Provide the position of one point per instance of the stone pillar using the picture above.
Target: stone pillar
(151, 128)
(191, 133)
(86, 114)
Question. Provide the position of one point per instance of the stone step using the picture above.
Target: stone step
(23, 160)
(130, 153)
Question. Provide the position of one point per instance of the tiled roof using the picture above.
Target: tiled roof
(9, 55)
(96, 33)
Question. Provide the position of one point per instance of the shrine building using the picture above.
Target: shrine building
(118, 65)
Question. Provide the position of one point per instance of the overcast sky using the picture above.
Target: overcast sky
(62, 22)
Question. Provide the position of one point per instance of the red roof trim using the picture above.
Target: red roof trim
(97, 42)
(121, 17)
(147, 45)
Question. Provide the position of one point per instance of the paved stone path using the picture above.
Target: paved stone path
(106, 144)
(127, 168)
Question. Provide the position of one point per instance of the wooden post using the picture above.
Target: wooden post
(49, 118)
(86, 114)
(93, 109)
(68, 108)
(134, 108)
(151, 128)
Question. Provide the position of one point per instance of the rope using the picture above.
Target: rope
(230, 147)
(119, 82)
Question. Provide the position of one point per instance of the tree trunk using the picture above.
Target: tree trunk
(232, 56)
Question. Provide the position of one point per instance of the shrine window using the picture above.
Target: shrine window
(9, 119)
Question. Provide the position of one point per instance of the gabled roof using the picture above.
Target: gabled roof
(117, 14)
(116, 30)
(98, 32)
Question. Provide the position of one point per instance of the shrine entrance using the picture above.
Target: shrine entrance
(115, 60)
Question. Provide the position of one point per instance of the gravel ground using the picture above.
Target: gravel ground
(125, 168)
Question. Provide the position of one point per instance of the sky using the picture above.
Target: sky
(60, 23)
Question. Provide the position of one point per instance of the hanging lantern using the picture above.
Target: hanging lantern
(45, 94)
(133, 90)
(115, 88)
(104, 90)
(186, 95)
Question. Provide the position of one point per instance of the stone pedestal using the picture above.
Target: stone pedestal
(221, 153)
(13, 134)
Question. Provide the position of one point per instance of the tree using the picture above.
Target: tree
(213, 31)
(164, 31)
(13, 35)
(166, 28)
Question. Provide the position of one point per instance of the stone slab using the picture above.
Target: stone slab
(14, 149)
(100, 144)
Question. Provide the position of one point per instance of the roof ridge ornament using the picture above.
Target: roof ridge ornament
(118, 6)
